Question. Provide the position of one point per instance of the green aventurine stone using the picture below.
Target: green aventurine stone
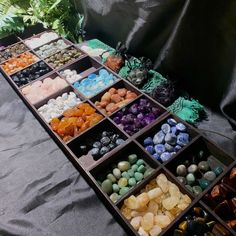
(111, 177)
(140, 162)
(107, 186)
(125, 175)
(218, 170)
(190, 178)
(147, 172)
(141, 169)
(115, 188)
(203, 183)
(123, 190)
(138, 176)
(134, 167)
(122, 182)
(114, 197)
(132, 158)
(197, 190)
(132, 181)
(123, 165)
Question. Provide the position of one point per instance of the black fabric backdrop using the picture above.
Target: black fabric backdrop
(41, 193)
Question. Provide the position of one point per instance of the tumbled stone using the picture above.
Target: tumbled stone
(155, 231)
(107, 186)
(197, 190)
(123, 190)
(154, 193)
(170, 203)
(132, 158)
(142, 232)
(170, 138)
(159, 138)
(190, 178)
(181, 127)
(136, 222)
(181, 170)
(210, 176)
(203, 183)
(203, 165)
(114, 197)
(123, 165)
(147, 221)
(162, 221)
(182, 180)
(165, 128)
(192, 168)
(162, 182)
(132, 202)
(116, 172)
(123, 182)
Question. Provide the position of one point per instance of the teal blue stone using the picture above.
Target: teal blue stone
(140, 162)
(141, 169)
(123, 190)
(204, 183)
(115, 188)
(125, 175)
(218, 170)
(138, 176)
(190, 178)
(132, 181)
(130, 173)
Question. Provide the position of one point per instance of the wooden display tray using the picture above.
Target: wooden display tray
(89, 167)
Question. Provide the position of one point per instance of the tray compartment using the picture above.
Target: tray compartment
(147, 140)
(198, 220)
(85, 157)
(83, 67)
(135, 171)
(134, 124)
(212, 165)
(221, 199)
(173, 197)
(44, 98)
(94, 89)
(33, 70)
(19, 58)
(76, 120)
(65, 60)
(56, 95)
(9, 52)
(119, 85)
(38, 50)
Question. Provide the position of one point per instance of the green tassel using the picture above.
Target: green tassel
(188, 110)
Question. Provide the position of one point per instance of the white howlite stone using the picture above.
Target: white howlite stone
(71, 75)
(55, 107)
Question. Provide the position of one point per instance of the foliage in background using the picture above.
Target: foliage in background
(59, 15)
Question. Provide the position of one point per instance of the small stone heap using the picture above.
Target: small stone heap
(155, 207)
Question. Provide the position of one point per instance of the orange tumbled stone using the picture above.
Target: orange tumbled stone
(55, 123)
(75, 120)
